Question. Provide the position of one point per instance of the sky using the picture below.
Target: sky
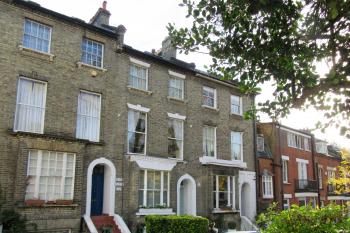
(146, 21)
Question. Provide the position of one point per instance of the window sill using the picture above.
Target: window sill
(267, 197)
(177, 160)
(36, 52)
(80, 64)
(286, 183)
(221, 162)
(183, 101)
(211, 108)
(155, 211)
(236, 115)
(130, 88)
(52, 204)
(223, 211)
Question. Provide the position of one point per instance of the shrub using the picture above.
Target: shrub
(331, 218)
(176, 224)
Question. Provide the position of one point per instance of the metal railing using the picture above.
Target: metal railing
(306, 185)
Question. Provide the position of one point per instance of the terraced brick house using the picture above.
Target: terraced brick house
(95, 133)
(294, 168)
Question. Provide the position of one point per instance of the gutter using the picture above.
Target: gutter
(281, 170)
(256, 160)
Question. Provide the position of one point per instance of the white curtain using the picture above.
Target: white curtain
(30, 106)
(209, 141)
(88, 120)
(236, 145)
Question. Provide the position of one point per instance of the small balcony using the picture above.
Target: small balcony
(306, 186)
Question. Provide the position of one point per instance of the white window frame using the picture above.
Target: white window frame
(99, 117)
(209, 89)
(267, 181)
(142, 65)
(102, 52)
(307, 144)
(40, 24)
(286, 204)
(176, 77)
(38, 173)
(260, 143)
(179, 118)
(215, 149)
(137, 108)
(320, 177)
(285, 169)
(43, 107)
(240, 105)
(321, 147)
(231, 183)
(294, 140)
(145, 175)
(241, 136)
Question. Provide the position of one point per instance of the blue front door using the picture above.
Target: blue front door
(97, 191)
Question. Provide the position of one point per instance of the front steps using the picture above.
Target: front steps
(105, 224)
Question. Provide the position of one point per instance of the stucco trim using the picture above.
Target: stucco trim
(338, 198)
(193, 194)
(221, 162)
(287, 196)
(302, 161)
(138, 62)
(154, 163)
(306, 194)
(176, 116)
(138, 107)
(285, 157)
(177, 75)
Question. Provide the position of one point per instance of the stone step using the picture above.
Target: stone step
(104, 222)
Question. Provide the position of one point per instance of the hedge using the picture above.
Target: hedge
(176, 224)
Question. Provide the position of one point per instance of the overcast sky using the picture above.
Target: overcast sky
(146, 22)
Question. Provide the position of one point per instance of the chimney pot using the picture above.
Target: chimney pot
(104, 5)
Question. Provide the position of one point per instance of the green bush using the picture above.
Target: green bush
(329, 219)
(176, 224)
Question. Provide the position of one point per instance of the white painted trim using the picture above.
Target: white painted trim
(176, 116)
(90, 224)
(153, 163)
(121, 224)
(306, 194)
(215, 97)
(193, 194)
(338, 198)
(221, 162)
(249, 178)
(139, 62)
(295, 132)
(285, 157)
(177, 75)
(155, 211)
(287, 196)
(111, 201)
(331, 168)
(138, 107)
(302, 161)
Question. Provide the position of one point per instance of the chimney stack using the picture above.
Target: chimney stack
(168, 50)
(101, 17)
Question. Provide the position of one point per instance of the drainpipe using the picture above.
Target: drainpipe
(256, 160)
(314, 169)
(280, 159)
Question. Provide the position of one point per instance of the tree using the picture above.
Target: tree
(328, 219)
(252, 42)
(342, 181)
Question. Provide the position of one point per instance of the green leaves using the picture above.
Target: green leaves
(328, 219)
(253, 42)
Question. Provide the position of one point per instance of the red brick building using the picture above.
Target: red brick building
(289, 167)
(327, 161)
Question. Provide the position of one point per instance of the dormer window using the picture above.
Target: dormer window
(321, 147)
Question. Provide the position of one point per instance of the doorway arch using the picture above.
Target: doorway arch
(109, 174)
(245, 202)
(186, 196)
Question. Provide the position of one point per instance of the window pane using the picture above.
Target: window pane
(136, 142)
(88, 119)
(138, 77)
(175, 148)
(36, 36)
(236, 146)
(91, 52)
(209, 141)
(223, 183)
(208, 96)
(136, 121)
(176, 87)
(30, 106)
(235, 104)
(223, 199)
